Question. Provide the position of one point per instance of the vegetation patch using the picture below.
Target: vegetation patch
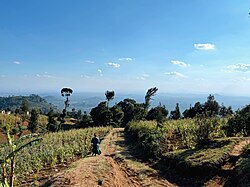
(198, 161)
(178, 143)
(243, 167)
(54, 148)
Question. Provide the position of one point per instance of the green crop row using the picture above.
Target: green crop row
(177, 134)
(54, 148)
(192, 143)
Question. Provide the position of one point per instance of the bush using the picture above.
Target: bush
(240, 123)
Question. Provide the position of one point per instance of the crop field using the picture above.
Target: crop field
(53, 149)
(181, 142)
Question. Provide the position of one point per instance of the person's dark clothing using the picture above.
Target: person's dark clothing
(95, 141)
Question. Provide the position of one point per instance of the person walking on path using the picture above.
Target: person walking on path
(95, 145)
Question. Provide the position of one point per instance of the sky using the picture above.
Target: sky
(179, 46)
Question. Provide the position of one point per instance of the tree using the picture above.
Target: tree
(109, 96)
(158, 113)
(211, 106)
(132, 110)
(176, 114)
(224, 111)
(52, 124)
(189, 113)
(240, 123)
(151, 92)
(193, 111)
(79, 114)
(65, 92)
(100, 114)
(86, 120)
(33, 120)
(24, 106)
(117, 115)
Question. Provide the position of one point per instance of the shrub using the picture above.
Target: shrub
(240, 123)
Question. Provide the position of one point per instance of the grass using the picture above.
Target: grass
(243, 167)
(211, 156)
(177, 144)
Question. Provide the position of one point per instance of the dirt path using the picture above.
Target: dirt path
(113, 168)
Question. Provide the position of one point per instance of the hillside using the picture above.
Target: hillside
(34, 101)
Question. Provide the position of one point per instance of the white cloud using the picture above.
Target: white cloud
(176, 74)
(45, 75)
(204, 46)
(125, 59)
(179, 63)
(17, 62)
(48, 76)
(245, 79)
(141, 78)
(85, 76)
(238, 68)
(100, 72)
(89, 62)
(114, 65)
(144, 76)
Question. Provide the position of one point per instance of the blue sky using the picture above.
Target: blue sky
(179, 46)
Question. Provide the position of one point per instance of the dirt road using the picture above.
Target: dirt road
(113, 168)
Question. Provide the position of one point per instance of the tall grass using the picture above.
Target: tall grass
(175, 134)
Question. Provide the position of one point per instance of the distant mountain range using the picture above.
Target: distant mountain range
(34, 101)
(86, 101)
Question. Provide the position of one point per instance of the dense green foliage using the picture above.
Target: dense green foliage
(33, 123)
(132, 110)
(178, 134)
(211, 108)
(158, 113)
(14, 103)
(240, 123)
(195, 145)
(54, 148)
(175, 114)
(102, 115)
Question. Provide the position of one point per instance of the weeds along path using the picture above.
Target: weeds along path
(113, 168)
(226, 176)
